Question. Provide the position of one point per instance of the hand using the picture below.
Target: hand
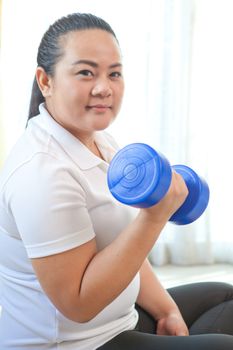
(173, 324)
(171, 202)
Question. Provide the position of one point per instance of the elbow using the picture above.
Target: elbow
(84, 318)
(77, 308)
(78, 315)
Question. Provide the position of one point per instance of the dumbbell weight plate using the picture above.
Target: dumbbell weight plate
(139, 176)
(197, 200)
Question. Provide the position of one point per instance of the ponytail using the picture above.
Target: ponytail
(36, 99)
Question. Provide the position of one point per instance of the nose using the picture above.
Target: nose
(102, 88)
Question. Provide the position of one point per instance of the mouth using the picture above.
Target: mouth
(99, 107)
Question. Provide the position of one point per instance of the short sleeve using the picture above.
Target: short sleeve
(48, 203)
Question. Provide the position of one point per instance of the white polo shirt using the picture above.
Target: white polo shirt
(54, 197)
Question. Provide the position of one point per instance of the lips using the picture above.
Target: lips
(99, 106)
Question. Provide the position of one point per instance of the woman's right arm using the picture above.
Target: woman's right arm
(70, 279)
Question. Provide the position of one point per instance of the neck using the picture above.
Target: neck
(90, 143)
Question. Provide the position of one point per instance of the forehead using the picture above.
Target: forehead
(90, 44)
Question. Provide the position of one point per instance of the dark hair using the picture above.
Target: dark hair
(50, 50)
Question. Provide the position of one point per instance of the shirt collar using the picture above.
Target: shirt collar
(79, 153)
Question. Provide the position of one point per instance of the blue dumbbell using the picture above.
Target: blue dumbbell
(140, 176)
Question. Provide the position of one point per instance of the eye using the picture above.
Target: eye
(85, 72)
(116, 75)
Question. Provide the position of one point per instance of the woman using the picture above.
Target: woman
(73, 260)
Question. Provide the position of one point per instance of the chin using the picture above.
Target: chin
(102, 125)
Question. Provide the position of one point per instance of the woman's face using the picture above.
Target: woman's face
(86, 91)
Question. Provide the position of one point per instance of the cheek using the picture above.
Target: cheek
(75, 99)
(70, 89)
(119, 96)
(119, 91)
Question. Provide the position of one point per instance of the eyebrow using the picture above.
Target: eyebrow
(94, 64)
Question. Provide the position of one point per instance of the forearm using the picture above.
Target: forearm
(152, 296)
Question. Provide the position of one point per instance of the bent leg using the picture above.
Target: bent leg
(134, 340)
(219, 319)
(207, 307)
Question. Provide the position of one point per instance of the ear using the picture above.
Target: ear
(43, 81)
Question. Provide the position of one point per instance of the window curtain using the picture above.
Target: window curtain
(197, 126)
(177, 57)
(211, 111)
(1, 114)
(189, 244)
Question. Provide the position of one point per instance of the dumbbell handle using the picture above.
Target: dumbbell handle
(140, 176)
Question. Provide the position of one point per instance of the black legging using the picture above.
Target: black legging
(207, 309)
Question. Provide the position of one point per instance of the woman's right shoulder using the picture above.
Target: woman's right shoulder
(35, 153)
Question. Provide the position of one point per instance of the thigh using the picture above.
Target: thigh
(194, 300)
(134, 340)
(218, 319)
(207, 307)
